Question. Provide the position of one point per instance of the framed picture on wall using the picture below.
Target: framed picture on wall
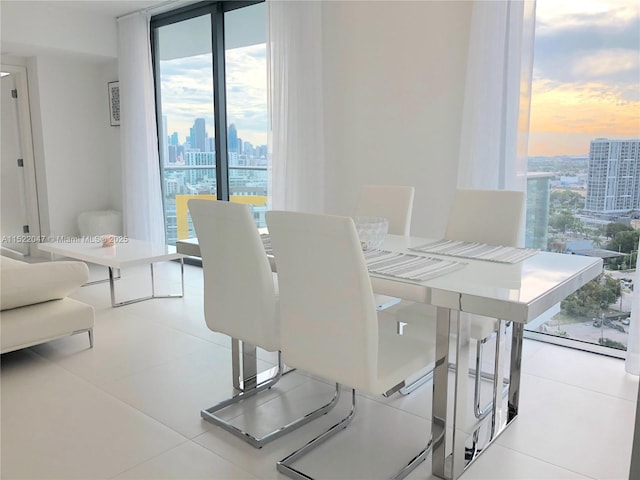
(114, 103)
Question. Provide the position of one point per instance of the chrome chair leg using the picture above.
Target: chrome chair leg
(414, 462)
(406, 388)
(259, 442)
(285, 466)
(479, 413)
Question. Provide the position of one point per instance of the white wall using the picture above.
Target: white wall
(394, 84)
(70, 58)
(32, 27)
(394, 87)
(77, 153)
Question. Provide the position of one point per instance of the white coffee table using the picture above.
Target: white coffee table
(125, 253)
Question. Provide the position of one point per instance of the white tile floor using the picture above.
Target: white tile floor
(129, 408)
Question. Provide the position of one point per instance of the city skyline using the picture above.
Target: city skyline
(199, 140)
(585, 81)
(187, 94)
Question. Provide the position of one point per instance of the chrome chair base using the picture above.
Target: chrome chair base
(259, 442)
(285, 466)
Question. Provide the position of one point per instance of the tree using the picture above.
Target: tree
(596, 239)
(563, 221)
(612, 229)
(623, 262)
(625, 241)
(566, 200)
(593, 298)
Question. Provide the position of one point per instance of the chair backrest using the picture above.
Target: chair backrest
(239, 291)
(395, 202)
(327, 309)
(487, 216)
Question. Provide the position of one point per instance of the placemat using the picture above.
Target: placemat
(476, 250)
(410, 267)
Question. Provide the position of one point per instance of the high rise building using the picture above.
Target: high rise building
(613, 178)
(173, 156)
(199, 161)
(198, 135)
(537, 209)
(164, 152)
(232, 139)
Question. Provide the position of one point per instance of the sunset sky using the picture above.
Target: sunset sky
(586, 80)
(586, 77)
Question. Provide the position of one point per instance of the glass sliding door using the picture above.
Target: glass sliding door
(210, 58)
(583, 189)
(246, 81)
(184, 68)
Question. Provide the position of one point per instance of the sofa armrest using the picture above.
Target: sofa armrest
(40, 282)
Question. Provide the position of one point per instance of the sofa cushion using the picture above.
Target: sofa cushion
(27, 284)
(26, 326)
(7, 262)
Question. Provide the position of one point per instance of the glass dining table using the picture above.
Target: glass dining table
(514, 292)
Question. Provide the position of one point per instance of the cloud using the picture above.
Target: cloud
(617, 64)
(573, 35)
(553, 16)
(187, 94)
(586, 74)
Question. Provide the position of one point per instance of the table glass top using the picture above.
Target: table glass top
(530, 286)
(126, 252)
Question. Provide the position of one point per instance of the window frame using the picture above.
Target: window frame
(216, 10)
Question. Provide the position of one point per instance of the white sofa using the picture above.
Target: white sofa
(34, 303)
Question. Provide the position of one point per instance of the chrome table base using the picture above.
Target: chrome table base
(471, 435)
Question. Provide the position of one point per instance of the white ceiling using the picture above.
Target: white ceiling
(110, 8)
(107, 9)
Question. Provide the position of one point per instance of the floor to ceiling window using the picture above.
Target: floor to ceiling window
(211, 96)
(584, 162)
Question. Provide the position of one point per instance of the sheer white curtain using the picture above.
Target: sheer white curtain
(294, 56)
(142, 203)
(632, 363)
(495, 127)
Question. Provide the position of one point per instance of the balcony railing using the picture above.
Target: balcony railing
(247, 185)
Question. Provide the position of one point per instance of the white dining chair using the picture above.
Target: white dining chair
(240, 297)
(395, 203)
(330, 326)
(493, 217)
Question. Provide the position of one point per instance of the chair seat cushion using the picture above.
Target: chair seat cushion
(420, 313)
(401, 356)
